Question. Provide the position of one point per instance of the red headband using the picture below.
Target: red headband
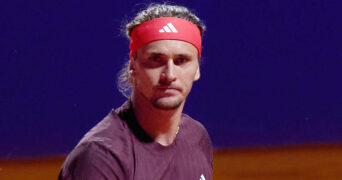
(165, 28)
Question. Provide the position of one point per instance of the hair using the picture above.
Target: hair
(151, 12)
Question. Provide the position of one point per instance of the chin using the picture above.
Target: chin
(167, 103)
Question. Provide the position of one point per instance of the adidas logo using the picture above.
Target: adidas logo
(202, 177)
(169, 28)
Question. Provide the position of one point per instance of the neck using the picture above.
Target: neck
(161, 125)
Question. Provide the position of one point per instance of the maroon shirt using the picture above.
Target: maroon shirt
(118, 148)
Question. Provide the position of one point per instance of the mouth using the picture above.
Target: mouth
(169, 89)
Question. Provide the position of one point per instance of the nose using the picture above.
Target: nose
(169, 75)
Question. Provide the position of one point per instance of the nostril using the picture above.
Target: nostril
(167, 77)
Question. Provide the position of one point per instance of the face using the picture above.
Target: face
(164, 71)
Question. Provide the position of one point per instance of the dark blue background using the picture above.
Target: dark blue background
(271, 73)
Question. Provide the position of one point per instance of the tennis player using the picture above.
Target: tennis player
(148, 137)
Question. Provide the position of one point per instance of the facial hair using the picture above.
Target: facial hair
(159, 104)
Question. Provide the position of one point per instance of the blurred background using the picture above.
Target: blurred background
(269, 94)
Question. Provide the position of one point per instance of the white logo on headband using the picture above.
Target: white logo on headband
(169, 28)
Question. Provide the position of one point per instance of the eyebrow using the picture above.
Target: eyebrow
(161, 54)
(154, 54)
(184, 55)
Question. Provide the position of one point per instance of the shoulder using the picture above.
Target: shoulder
(192, 126)
(110, 135)
(103, 152)
(108, 132)
(92, 161)
(194, 129)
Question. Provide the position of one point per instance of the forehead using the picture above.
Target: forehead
(168, 47)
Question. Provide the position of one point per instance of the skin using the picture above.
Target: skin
(163, 73)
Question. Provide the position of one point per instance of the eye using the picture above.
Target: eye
(181, 60)
(155, 59)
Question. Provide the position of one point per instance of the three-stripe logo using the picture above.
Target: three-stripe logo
(202, 177)
(169, 28)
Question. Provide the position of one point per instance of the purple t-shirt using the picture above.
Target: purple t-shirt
(118, 148)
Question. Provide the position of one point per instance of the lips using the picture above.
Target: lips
(169, 89)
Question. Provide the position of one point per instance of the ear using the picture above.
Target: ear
(197, 75)
(132, 66)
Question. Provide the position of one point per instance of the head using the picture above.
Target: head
(162, 71)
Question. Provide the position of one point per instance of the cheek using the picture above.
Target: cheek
(146, 78)
(190, 73)
(152, 76)
(188, 79)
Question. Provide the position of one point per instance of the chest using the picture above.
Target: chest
(183, 161)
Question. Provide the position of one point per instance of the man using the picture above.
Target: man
(148, 137)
